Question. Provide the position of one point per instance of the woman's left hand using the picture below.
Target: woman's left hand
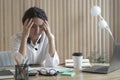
(47, 30)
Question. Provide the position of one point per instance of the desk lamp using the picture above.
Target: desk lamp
(96, 11)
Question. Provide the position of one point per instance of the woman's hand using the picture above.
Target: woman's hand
(47, 30)
(26, 28)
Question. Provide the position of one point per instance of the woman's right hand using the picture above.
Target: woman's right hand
(26, 28)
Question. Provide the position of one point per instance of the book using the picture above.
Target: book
(5, 74)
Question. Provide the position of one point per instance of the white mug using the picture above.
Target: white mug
(77, 60)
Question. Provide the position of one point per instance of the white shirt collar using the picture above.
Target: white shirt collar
(32, 44)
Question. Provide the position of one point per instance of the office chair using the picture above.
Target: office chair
(6, 58)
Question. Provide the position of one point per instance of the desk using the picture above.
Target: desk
(81, 76)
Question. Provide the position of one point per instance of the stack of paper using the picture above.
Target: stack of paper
(85, 63)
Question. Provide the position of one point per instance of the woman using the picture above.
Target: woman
(36, 42)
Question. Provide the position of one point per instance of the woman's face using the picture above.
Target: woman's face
(37, 28)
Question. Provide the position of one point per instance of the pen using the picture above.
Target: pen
(25, 63)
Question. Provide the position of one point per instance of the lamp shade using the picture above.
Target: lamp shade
(95, 10)
(103, 23)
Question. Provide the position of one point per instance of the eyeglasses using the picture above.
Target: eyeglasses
(45, 72)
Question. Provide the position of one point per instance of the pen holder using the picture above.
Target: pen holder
(21, 72)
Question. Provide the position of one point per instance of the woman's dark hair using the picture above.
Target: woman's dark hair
(34, 12)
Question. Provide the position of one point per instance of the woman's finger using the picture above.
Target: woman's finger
(29, 23)
(26, 21)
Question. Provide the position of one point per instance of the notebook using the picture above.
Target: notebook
(5, 74)
(114, 63)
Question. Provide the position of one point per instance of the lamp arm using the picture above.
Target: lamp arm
(108, 29)
(110, 33)
(100, 17)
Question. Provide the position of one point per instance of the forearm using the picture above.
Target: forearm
(22, 48)
(52, 49)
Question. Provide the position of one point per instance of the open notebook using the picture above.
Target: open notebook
(114, 63)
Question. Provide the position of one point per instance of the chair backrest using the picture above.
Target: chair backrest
(6, 58)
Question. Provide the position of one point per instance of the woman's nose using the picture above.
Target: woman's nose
(37, 29)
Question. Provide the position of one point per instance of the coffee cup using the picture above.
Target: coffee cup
(77, 60)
